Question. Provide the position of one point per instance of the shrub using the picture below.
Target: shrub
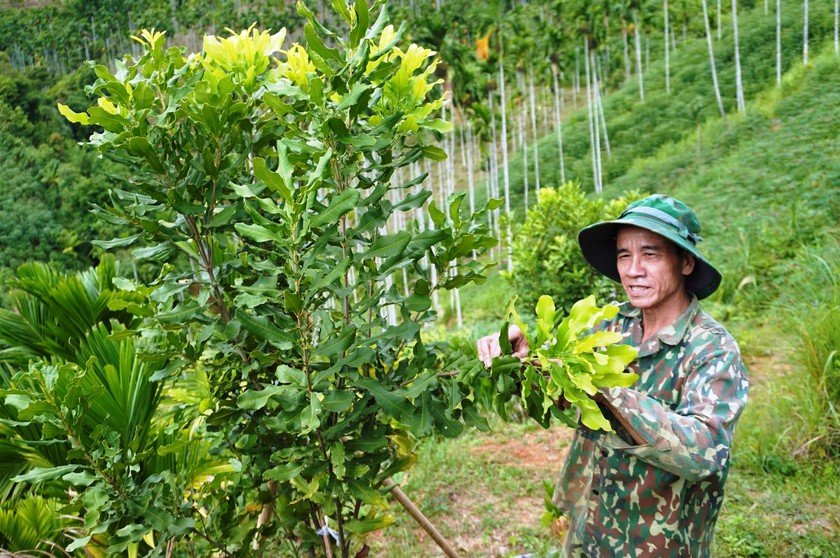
(547, 258)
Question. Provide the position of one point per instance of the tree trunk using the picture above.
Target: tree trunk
(836, 28)
(778, 42)
(712, 60)
(805, 35)
(626, 50)
(576, 84)
(505, 172)
(739, 88)
(638, 55)
(592, 118)
(667, 53)
(594, 69)
(600, 106)
(558, 125)
(534, 131)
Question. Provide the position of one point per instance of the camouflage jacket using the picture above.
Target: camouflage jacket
(660, 498)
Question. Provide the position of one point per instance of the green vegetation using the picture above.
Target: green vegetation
(548, 258)
(764, 183)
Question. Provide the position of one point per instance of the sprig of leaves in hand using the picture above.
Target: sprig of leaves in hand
(567, 361)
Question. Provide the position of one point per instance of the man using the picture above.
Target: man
(653, 488)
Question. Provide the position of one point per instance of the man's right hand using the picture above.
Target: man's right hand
(489, 347)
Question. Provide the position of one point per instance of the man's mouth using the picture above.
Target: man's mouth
(637, 289)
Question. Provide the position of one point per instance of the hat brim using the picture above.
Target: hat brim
(597, 242)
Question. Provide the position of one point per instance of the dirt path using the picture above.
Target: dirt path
(493, 508)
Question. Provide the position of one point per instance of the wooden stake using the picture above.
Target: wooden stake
(418, 516)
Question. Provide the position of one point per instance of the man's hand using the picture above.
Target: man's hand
(489, 347)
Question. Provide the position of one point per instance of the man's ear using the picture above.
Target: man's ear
(688, 263)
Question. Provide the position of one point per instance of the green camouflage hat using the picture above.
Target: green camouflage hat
(664, 216)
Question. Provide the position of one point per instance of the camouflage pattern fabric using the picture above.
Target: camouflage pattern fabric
(660, 499)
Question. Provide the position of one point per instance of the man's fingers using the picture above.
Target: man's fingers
(488, 347)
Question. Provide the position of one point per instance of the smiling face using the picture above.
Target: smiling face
(653, 271)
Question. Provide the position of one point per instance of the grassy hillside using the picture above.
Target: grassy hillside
(766, 185)
(639, 129)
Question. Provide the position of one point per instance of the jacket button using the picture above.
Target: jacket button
(605, 453)
(595, 492)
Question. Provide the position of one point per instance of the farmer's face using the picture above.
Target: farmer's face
(652, 270)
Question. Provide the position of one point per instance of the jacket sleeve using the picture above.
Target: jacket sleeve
(692, 439)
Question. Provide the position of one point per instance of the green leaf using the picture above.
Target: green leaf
(362, 21)
(144, 97)
(438, 216)
(438, 125)
(82, 478)
(388, 245)
(366, 493)
(341, 7)
(335, 273)
(355, 94)
(506, 366)
(337, 459)
(275, 181)
(310, 417)
(257, 233)
(116, 242)
(337, 401)
(393, 404)
(110, 122)
(262, 328)
(360, 141)
(40, 474)
(140, 147)
(317, 49)
(251, 400)
(336, 344)
(165, 522)
(339, 205)
(283, 473)
(362, 526)
(421, 384)
(434, 153)
(473, 418)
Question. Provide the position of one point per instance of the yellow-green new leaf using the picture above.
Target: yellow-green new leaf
(75, 117)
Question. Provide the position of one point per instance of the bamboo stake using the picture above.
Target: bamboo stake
(418, 516)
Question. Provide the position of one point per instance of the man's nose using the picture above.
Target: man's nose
(635, 269)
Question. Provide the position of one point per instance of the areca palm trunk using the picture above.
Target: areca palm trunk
(739, 88)
(778, 42)
(600, 107)
(505, 171)
(667, 53)
(558, 121)
(593, 124)
(470, 148)
(712, 60)
(805, 35)
(626, 49)
(534, 135)
(638, 54)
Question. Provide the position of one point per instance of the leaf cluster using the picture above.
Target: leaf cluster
(569, 360)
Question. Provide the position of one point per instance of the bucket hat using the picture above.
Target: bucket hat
(664, 216)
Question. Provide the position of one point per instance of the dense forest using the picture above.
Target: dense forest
(410, 214)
